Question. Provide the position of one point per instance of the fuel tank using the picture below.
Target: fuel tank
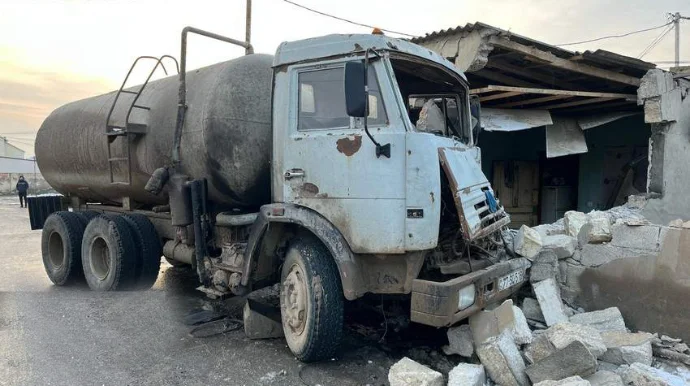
(226, 137)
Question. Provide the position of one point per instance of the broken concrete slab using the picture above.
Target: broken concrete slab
(570, 381)
(572, 276)
(531, 309)
(574, 359)
(601, 227)
(677, 223)
(549, 301)
(545, 230)
(627, 348)
(487, 324)
(563, 334)
(562, 245)
(407, 372)
(460, 341)
(639, 374)
(540, 348)
(594, 255)
(520, 329)
(609, 319)
(644, 237)
(544, 266)
(466, 374)
(502, 360)
(605, 378)
(261, 321)
(527, 242)
(573, 221)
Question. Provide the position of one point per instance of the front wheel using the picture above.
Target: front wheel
(311, 301)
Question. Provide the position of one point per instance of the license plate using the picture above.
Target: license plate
(511, 279)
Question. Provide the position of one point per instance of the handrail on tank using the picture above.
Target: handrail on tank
(143, 86)
(124, 83)
(182, 92)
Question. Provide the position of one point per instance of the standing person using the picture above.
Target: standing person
(22, 189)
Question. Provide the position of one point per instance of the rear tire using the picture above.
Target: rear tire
(149, 248)
(61, 247)
(109, 254)
(311, 301)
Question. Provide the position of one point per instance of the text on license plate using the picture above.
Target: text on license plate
(511, 279)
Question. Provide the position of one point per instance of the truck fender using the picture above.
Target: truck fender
(320, 227)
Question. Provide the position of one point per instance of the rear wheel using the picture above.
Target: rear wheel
(149, 248)
(311, 301)
(61, 247)
(109, 254)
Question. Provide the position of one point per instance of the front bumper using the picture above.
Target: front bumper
(436, 303)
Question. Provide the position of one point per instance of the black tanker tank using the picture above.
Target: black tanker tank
(226, 137)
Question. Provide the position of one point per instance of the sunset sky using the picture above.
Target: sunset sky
(54, 52)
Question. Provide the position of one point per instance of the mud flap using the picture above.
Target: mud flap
(40, 207)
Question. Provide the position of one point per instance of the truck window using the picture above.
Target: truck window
(437, 100)
(322, 100)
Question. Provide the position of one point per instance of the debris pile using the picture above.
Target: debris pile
(547, 339)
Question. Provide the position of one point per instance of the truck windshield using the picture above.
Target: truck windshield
(436, 99)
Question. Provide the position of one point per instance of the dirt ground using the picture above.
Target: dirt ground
(53, 335)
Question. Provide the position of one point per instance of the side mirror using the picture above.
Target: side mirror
(355, 92)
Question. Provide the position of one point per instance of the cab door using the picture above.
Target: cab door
(327, 163)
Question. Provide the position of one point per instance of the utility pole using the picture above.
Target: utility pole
(676, 25)
(248, 27)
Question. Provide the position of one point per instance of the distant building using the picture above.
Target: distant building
(9, 150)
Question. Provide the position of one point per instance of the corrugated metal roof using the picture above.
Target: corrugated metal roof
(601, 57)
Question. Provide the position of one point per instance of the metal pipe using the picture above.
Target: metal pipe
(182, 91)
(248, 26)
(174, 250)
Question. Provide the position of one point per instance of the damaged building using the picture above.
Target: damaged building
(572, 131)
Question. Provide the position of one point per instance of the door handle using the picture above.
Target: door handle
(294, 173)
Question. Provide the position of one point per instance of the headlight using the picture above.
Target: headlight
(466, 297)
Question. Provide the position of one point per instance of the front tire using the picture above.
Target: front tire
(311, 301)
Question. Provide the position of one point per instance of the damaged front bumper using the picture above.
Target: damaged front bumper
(438, 304)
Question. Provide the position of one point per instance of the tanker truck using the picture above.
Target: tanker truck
(343, 165)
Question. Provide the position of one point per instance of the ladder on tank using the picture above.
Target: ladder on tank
(129, 130)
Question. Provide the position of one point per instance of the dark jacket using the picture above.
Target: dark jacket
(22, 187)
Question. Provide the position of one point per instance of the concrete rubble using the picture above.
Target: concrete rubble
(547, 335)
(407, 372)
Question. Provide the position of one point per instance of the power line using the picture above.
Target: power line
(654, 43)
(346, 20)
(613, 36)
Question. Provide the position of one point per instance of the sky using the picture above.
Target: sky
(55, 52)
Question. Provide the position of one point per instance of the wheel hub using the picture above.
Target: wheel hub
(294, 300)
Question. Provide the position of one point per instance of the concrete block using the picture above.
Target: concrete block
(605, 378)
(407, 372)
(460, 340)
(573, 221)
(639, 374)
(563, 334)
(562, 245)
(502, 360)
(562, 271)
(645, 237)
(544, 266)
(261, 321)
(487, 324)
(520, 329)
(527, 242)
(686, 225)
(570, 381)
(556, 228)
(609, 319)
(540, 348)
(594, 255)
(550, 302)
(601, 227)
(627, 348)
(573, 273)
(677, 223)
(574, 359)
(531, 310)
(466, 374)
